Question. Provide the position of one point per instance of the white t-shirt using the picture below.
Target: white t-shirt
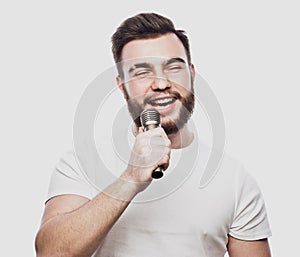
(176, 215)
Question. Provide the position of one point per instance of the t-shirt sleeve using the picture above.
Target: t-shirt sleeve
(250, 221)
(67, 178)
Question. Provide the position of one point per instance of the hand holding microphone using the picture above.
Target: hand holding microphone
(150, 119)
(151, 151)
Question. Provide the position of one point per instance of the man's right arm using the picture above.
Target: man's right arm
(75, 226)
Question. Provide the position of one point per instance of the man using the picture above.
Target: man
(227, 214)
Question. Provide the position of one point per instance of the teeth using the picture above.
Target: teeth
(163, 101)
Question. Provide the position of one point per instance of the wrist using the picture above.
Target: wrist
(133, 182)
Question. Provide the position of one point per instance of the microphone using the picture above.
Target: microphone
(150, 119)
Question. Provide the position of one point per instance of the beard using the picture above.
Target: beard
(170, 126)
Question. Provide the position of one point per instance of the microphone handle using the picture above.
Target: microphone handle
(158, 172)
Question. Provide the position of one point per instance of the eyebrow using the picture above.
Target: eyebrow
(139, 65)
(149, 65)
(172, 60)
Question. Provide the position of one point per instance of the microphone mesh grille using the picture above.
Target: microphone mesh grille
(150, 116)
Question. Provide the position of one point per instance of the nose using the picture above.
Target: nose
(160, 83)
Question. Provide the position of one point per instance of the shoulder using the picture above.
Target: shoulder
(69, 178)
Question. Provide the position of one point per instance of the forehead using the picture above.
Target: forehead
(166, 46)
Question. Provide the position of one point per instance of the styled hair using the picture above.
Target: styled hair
(145, 26)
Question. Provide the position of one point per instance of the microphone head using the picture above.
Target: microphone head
(150, 117)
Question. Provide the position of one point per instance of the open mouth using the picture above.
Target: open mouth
(162, 102)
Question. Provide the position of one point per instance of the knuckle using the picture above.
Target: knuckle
(168, 143)
(168, 151)
(166, 158)
(161, 131)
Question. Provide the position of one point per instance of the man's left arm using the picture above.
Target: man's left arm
(243, 248)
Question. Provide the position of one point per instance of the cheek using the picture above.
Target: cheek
(183, 83)
(185, 90)
(136, 94)
(134, 89)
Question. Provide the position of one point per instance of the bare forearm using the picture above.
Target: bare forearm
(82, 227)
(80, 232)
(241, 248)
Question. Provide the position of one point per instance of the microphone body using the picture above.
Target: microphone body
(150, 119)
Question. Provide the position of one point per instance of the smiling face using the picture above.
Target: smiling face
(156, 75)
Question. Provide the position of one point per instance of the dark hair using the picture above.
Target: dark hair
(144, 26)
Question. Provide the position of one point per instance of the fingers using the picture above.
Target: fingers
(164, 161)
(154, 135)
(152, 148)
(159, 141)
(153, 141)
(158, 132)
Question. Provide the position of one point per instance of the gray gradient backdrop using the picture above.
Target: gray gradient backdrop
(50, 50)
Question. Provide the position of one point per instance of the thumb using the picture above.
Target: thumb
(141, 130)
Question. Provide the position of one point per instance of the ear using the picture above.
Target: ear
(120, 84)
(193, 72)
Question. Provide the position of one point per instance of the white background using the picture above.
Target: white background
(50, 51)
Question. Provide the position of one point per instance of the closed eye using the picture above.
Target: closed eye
(174, 68)
(142, 73)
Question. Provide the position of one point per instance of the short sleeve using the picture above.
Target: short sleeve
(250, 221)
(67, 178)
